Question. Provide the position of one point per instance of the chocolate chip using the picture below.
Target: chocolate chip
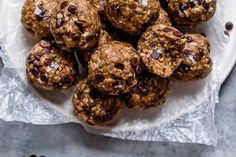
(184, 68)
(99, 77)
(199, 55)
(144, 91)
(35, 72)
(72, 9)
(206, 6)
(189, 39)
(59, 23)
(155, 54)
(229, 26)
(39, 13)
(119, 66)
(48, 62)
(191, 4)
(79, 24)
(64, 4)
(178, 34)
(76, 37)
(167, 29)
(94, 94)
(43, 78)
(226, 33)
(187, 52)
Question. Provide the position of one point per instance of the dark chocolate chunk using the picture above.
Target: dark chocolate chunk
(229, 26)
(64, 4)
(155, 54)
(59, 23)
(119, 66)
(72, 9)
(43, 78)
(178, 34)
(35, 72)
(99, 77)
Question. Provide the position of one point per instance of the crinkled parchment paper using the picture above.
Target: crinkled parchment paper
(187, 116)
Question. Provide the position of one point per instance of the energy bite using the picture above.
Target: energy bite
(196, 63)
(132, 16)
(94, 107)
(163, 18)
(113, 68)
(49, 69)
(36, 15)
(160, 49)
(104, 38)
(75, 25)
(190, 12)
(150, 91)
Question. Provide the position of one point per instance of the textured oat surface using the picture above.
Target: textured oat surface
(94, 107)
(75, 25)
(163, 18)
(150, 91)
(132, 16)
(113, 68)
(190, 12)
(36, 15)
(196, 63)
(47, 67)
(160, 49)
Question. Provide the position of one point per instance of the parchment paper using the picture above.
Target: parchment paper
(187, 115)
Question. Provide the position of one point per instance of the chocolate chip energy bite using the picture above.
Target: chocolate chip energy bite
(113, 68)
(150, 91)
(49, 69)
(94, 107)
(191, 12)
(196, 63)
(132, 16)
(75, 24)
(36, 15)
(160, 49)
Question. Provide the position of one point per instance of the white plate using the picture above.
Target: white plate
(167, 113)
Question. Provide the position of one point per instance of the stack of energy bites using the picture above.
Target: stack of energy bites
(130, 48)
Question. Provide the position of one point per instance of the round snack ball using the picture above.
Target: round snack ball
(104, 38)
(150, 91)
(132, 16)
(36, 15)
(113, 67)
(191, 12)
(94, 107)
(196, 63)
(49, 69)
(160, 49)
(163, 18)
(75, 24)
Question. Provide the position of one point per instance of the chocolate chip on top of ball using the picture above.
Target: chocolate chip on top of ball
(49, 68)
(75, 25)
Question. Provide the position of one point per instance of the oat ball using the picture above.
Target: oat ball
(191, 12)
(49, 68)
(132, 16)
(196, 63)
(94, 107)
(163, 18)
(36, 15)
(160, 49)
(113, 68)
(150, 91)
(75, 24)
(104, 38)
